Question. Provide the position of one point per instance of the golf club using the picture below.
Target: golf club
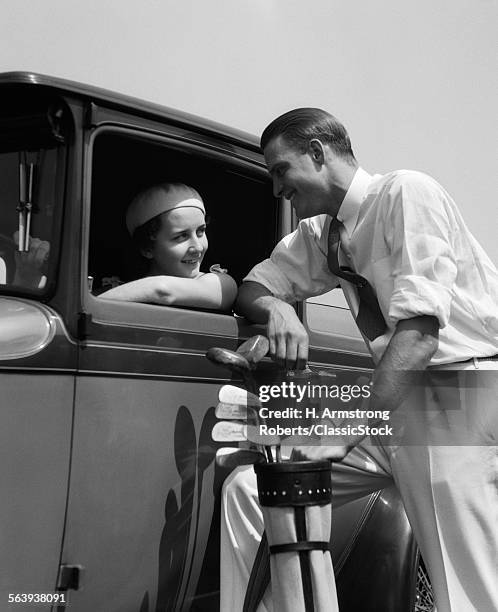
(230, 394)
(236, 431)
(230, 457)
(240, 364)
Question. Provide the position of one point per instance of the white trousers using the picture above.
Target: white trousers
(450, 494)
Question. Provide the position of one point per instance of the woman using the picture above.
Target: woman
(167, 223)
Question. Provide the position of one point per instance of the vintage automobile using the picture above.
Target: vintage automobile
(110, 490)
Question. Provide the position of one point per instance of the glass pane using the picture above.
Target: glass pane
(26, 218)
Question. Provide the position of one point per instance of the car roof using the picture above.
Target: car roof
(131, 104)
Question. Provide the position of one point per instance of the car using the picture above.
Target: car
(110, 489)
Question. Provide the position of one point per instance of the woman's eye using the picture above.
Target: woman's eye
(181, 237)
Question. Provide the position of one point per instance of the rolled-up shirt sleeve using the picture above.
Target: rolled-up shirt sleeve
(420, 230)
(297, 268)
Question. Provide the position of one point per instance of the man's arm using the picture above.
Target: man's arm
(296, 270)
(286, 334)
(408, 353)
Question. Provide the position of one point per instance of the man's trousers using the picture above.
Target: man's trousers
(445, 467)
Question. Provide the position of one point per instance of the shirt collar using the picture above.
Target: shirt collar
(350, 207)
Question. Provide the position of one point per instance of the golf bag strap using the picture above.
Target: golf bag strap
(259, 578)
(298, 546)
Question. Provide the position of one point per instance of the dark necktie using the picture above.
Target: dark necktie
(369, 319)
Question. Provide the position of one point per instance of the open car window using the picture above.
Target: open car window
(32, 156)
(241, 211)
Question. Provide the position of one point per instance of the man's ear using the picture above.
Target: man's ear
(147, 253)
(317, 151)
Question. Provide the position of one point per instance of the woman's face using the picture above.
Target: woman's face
(180, 244)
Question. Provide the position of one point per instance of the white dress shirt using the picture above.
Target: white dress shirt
(408, 239)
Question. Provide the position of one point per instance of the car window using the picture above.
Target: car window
(28, 198)
(34, 131)
(331, 324)
(242, 226)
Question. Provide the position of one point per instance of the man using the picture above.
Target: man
(426, 300)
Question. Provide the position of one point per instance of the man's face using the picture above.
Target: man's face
(180, 244)
(298, 177)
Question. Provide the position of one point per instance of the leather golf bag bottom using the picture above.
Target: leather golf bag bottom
(295, 497)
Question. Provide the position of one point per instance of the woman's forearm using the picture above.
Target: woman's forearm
(214, 291)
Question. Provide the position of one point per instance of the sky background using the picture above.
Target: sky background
(413, 81)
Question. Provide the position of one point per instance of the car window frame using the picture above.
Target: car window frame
(116, 313)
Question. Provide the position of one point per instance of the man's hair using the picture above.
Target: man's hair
(301, 125)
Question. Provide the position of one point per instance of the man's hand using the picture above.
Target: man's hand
(407, 355)
(287, 336)
(31, 265)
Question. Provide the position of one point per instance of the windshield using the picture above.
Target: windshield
(28, 200)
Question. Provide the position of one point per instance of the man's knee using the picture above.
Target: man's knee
(240, 484)
(240, 507)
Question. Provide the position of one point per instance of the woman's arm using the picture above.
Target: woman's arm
(214, 291)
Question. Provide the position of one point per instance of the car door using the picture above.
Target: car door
(143, 509)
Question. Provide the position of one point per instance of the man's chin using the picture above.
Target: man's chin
(300, 213)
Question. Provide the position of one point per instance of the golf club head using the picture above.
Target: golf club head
(254, 349)
(235, 431)
(254, 435)
(229, 431)
(230, 394)
(231, 411)
(229, 359)
(239, 412)
(230, 458)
